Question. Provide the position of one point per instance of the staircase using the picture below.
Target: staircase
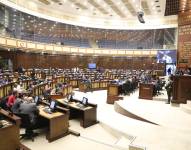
(106, 135)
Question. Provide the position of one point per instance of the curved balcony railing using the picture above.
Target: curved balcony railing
(30, 46)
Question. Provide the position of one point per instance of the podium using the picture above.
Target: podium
(113, 93)
(146, 91)
(181, 89)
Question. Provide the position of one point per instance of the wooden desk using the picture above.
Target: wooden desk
(113, 93)
(95, 85)
(88, 114)
(56, 96)
(67, 90)
(73, 83)
(181, 89)
(58, 124)
(82, 87)
(9, 135)
(146, 91)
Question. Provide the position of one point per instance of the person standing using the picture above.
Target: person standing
(169, 88)
(169, 70)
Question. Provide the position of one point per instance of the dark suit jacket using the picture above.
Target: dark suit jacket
(30, 109)
(16, 105)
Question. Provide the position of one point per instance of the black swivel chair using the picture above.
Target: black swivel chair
(28, 125)
(3, 103)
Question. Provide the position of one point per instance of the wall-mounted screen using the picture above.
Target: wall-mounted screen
(166, 56)
(91, 66)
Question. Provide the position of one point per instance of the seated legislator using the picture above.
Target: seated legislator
(47, 91)
(28, 98)
(22, 106)
(29, 115)
(30, 109)
(16, 105)
(56, 90)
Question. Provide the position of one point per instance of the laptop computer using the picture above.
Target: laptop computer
(83, 103)
(51, 108)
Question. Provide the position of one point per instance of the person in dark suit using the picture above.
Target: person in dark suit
(16, 105)
(30, 109)
(169, 88)
(33, 74)
(21, 106)
(88, 84)
(169, 70)
(20, 70)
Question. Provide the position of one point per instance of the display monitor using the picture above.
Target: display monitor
(52, 105)
(91, 66)
(69, 97)
(85, 101)
(166, 56)
(36, 100)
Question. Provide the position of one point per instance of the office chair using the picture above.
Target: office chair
(3, 103)
(28, 125)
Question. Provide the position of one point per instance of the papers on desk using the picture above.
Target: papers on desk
(4, 123)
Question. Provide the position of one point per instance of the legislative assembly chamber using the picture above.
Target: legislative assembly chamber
(95, 74)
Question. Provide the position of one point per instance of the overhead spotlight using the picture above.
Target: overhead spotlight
(140, 15)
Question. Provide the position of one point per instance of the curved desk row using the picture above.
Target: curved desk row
(5, 89)
(37, 89)
(95, 85)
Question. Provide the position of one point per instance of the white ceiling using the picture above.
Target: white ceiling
(115, 14)
(109, 9)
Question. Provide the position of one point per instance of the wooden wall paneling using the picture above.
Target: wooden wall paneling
(33, 60)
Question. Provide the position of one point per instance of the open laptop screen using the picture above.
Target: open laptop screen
(85, 101)
(52, 105)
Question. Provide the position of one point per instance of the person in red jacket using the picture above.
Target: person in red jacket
(11, 99)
